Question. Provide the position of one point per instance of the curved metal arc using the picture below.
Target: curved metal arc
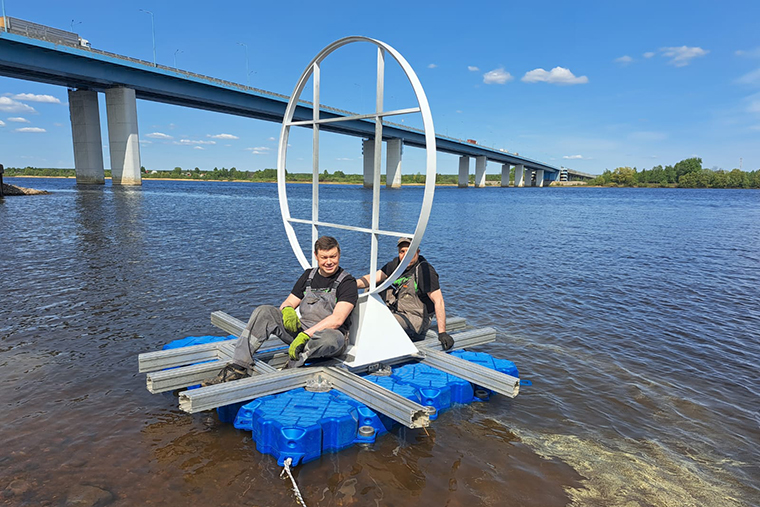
(430, 147)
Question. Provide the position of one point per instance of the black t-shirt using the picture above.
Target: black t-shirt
(427, 278)
(347, 290)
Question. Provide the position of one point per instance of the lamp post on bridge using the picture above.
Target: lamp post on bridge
(5, 19)
(247, 73)
(74, 23)
(175, 57)
(153, 28)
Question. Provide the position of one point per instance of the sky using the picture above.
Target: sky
(585, 85)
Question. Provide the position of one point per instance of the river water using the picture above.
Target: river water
(635, 313)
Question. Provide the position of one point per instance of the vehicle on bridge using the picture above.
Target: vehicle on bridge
(42, 32)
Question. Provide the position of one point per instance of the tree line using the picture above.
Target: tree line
(687, 173)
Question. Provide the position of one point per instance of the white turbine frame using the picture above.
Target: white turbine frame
(371, 298)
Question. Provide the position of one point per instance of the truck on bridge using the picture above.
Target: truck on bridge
(42, 32)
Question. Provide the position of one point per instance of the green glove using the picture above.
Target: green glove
(298, 344)
(290, 319)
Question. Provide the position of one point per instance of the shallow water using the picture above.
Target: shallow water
(635, 313)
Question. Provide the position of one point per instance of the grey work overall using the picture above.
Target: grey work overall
(410, 311)
(266, 321)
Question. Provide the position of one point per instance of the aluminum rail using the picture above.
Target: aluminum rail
(472, 372)
(376, 397)
(162, 359)
(206, 398)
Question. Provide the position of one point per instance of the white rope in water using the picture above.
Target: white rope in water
(286, 468)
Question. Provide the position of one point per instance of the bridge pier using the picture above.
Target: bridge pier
(505, 175)
(85, 133)
(519, 175)
(464, 171)
(480, 171)
(123, 138)
(394, 150)
(368, 154)
(540, 178)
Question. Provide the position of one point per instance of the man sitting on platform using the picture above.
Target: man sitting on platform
(415, 296)
(326, 296)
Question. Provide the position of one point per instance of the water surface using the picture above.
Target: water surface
(633, 312)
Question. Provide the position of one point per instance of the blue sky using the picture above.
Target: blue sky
(587, 85)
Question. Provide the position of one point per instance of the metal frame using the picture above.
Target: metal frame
(313, 70)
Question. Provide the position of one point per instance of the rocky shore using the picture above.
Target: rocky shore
(14, 190)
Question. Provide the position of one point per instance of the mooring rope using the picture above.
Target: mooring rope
(285, 469)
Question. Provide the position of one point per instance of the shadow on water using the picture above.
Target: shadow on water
(633, 313)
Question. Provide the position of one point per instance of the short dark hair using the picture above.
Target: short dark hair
(326, 243)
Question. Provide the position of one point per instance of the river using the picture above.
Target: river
(635, 313)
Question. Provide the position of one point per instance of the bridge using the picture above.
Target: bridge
(86, 72)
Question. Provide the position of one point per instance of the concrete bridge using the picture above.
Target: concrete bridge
(87, 72)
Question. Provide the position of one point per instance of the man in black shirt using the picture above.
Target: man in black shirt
(415, 296)
(326, 295)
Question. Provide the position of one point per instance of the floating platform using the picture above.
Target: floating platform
(299, 414)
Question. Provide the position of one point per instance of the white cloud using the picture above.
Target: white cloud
(751, 53)
(9, 105)
(558, 75)
(682, 56)
(18, 119)
(159, 135)
(497, 76)
(191, 142)
(648, 54)
(145, 141)
(754, 106)
(272, 139)
(223, 136)
(432, 66)
(31, 129)
(472, 68)
(344, 159)
(573, 157)
(30, 97)
(2, 123)
(198, 148)
(259, 150)
(750, 78)
(623, 59)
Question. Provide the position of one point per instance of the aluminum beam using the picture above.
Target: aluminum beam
(162, 359)
(376, 397)
(472, 372)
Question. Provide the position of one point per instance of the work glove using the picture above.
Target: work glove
(296, 347)
(446, 340)
(290, 319)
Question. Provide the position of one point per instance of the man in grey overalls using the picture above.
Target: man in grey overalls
(415, 296)
(325, 295)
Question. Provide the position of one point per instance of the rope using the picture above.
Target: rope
(285, 469)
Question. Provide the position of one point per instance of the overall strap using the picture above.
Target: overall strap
(337, 281)
(311, 277)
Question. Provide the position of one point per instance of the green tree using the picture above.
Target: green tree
(624, 177)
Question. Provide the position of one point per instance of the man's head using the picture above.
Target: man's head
(327, 252)
(403, 247)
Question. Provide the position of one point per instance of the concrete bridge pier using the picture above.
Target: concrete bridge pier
(519, 175)
(123, 139)
(480, 171)
(464, 172)
(505, 175)
(368, 154)
(394, 151)
(540, 178)
(85, 133)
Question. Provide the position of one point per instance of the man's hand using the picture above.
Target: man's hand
(298, 345)
(446, 340)
(290, 319)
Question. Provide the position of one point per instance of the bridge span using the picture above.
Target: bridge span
(87, 72)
